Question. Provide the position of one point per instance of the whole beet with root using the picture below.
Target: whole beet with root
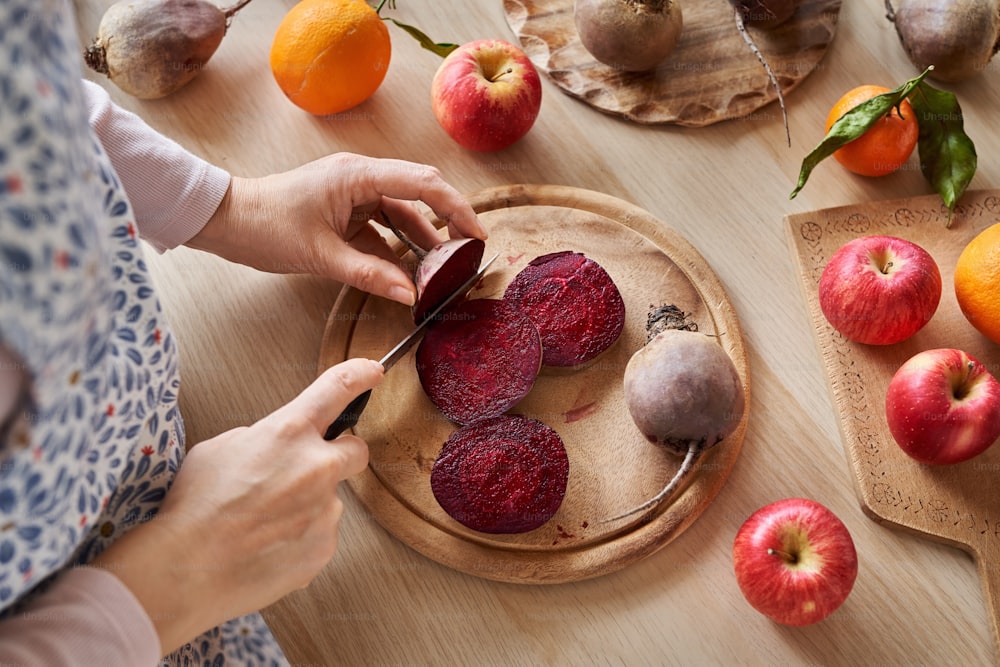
(683, 392)
(151, 48)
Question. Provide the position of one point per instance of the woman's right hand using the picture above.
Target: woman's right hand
(252, 515)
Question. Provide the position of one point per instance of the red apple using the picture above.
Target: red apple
(943, 406)
(486, 94)
(879, 290)
(795, 561)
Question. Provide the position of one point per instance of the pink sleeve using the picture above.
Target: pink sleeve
(87, 617)
(172, 191)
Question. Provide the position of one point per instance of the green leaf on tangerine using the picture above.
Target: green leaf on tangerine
(947, 155)
(853, 124)
(440, 48)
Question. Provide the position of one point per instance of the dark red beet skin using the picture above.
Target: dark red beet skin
(443, 270)
(574, 303)
(479, 360)
(505, 474)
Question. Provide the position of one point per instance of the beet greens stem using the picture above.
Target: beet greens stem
(231, 11)
(417, 250)
(890, 13)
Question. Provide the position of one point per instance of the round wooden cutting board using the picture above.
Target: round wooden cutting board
(612, 467)
(711, 76)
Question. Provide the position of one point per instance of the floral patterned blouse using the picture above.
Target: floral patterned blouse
(94, 436)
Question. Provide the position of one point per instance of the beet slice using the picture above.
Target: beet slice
(479, 360)
(574, 303)
(443, 270)
(504, 474)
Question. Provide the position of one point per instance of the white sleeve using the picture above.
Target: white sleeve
(172, 191)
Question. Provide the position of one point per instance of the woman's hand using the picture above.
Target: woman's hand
(252, 515)
(318, 218)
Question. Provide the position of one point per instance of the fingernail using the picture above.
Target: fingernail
(482, 230)
(402, 295)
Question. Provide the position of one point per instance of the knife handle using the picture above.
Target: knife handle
(349, 417)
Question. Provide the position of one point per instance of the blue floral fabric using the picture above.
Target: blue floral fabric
(97, 438)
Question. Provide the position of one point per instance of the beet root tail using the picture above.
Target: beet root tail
(694, 452)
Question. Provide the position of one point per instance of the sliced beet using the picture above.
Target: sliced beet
(574, 303)
(505, 474)
(443, 270)
(479, 360)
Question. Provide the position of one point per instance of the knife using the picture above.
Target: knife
(349, 417)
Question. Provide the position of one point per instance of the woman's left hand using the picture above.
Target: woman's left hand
(320, 218)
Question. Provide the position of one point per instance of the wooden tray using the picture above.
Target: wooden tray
(958, 504)
(612, 467)
(711, 76)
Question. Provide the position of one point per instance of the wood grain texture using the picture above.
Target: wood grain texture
(612, 466)
(956, 504)
(711, 76)
(249, 343)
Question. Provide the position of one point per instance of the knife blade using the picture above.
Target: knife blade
(349, 417)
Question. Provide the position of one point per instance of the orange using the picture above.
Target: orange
(977, 282)
(886, 146)
(330, 55)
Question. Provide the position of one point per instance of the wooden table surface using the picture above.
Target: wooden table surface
(250, 341)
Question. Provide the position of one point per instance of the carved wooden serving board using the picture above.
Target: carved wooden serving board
(711, 76)
(612, 467)
(957, 504)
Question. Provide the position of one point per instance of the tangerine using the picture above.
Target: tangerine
(977, 282)
(886, 146)
(330, 55)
